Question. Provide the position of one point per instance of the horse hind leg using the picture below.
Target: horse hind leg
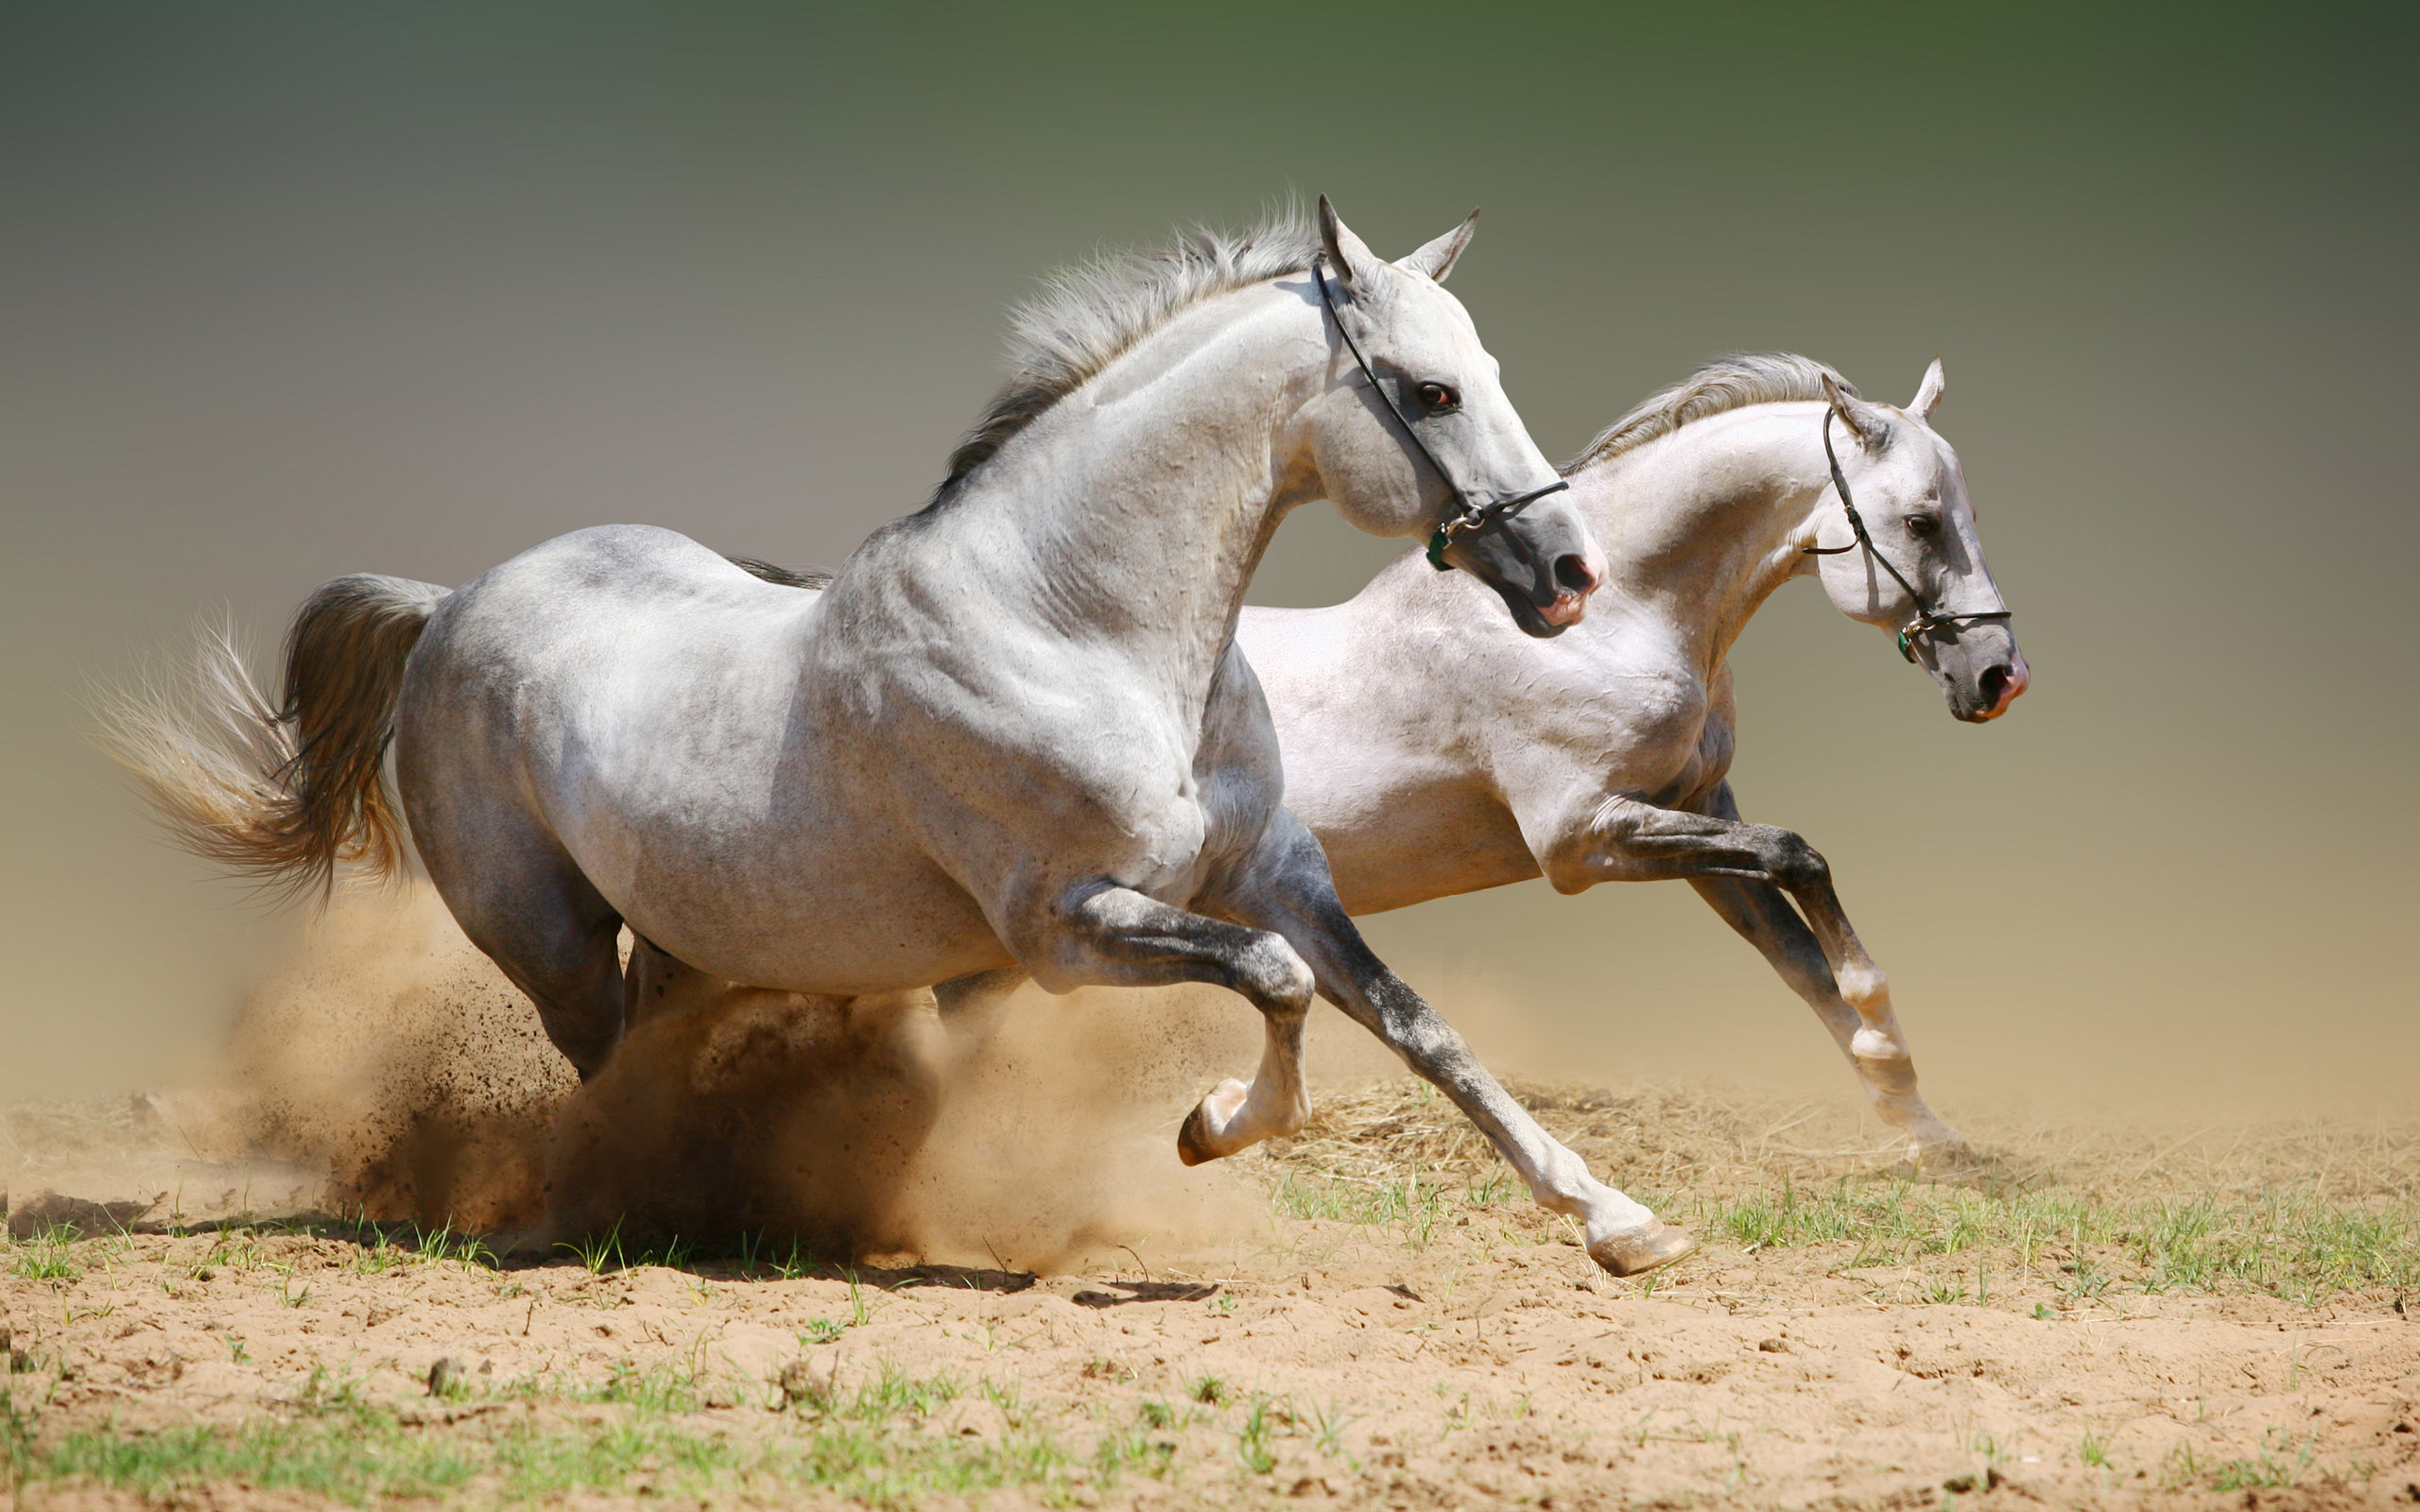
(973, 1007)
(657, 983)
(557, 939)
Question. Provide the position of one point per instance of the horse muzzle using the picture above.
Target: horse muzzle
(1997, 678)
(1542, 562)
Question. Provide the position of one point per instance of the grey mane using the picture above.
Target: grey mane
(783, 577)
(1724, 384)
(1086, 316)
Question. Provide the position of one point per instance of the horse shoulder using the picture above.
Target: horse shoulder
(1621, 718)
(1378, 705)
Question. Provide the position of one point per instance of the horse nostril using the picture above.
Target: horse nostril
(1571, 572)
(1997, 684)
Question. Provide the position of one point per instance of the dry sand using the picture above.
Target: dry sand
(1460, 1351)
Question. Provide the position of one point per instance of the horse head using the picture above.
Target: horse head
(1417, 437)
(1915, 563)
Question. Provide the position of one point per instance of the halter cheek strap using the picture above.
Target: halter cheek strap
(1475, 515)
(1928, 618)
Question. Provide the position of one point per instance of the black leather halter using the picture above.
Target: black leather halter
(1928, 618)
(1475, 514)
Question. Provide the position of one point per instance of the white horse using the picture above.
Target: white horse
(1013, 735)
(1601, 756)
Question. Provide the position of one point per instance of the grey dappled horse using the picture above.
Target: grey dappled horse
(1601, 756)
(1014, 735)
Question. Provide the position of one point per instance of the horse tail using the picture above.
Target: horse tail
(282, 794)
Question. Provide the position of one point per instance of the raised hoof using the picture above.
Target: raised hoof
(1652, 1248)
(1193, 1140)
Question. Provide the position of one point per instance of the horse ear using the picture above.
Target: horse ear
(1927, 393)
(1864, 421)
(1350, 256)
(1436, 259)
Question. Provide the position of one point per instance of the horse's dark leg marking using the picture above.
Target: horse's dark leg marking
(1287, 889)
(558, 939)
(1118, 937)
(1743, 870)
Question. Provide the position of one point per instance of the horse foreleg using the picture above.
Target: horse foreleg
(1628, 840)
(1117, 936)
(1764, 919)
(1876, 1045)
(1287, 889)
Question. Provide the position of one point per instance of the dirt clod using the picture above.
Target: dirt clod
(796, 1382)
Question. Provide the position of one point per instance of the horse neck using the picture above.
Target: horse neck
(1135, 510)
(1700, 525)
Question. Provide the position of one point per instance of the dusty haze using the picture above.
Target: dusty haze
(291, 294)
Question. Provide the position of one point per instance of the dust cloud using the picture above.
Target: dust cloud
(391, 1053)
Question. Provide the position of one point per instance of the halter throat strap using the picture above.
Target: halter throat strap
(1475, 514)
(1928, 618)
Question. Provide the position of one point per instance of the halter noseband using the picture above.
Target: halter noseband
(1928, 618)
(1475, 515)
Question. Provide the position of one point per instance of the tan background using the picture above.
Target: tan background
(290, 292)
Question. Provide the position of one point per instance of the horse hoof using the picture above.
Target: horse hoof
(1652, 1248)
(1193, 1140)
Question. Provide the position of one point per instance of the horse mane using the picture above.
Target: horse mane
(1087, 315)
(783, 577)
(1721, 385)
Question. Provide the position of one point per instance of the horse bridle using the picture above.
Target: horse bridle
(1928, 618)
(1475, 516)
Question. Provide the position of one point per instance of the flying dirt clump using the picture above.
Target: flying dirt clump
(387, 1050)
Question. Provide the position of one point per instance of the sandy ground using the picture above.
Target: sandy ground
(267, 1300)
(1389, 1327)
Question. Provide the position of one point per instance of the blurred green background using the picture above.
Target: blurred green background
(297, 290)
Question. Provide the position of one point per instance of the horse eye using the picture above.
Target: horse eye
(1923, 525)
(1440, 398)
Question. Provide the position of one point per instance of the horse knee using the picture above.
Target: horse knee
(1795, 864)
(1276, 976)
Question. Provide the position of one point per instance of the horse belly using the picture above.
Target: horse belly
(730, 844)
(845, 918)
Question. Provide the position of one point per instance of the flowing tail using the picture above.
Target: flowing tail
(282, 794)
